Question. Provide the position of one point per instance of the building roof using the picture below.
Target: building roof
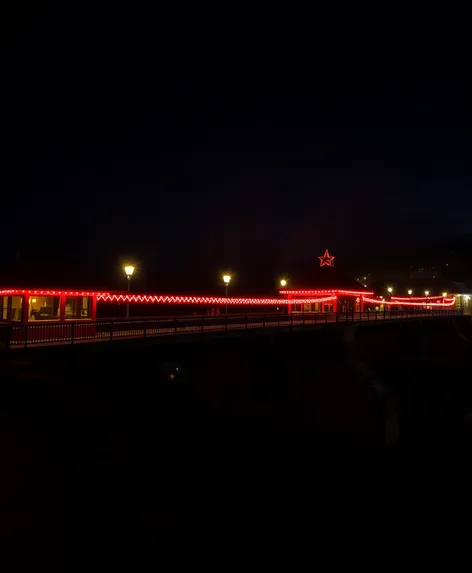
(324, 278)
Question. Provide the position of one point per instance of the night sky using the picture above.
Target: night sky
(193, 148)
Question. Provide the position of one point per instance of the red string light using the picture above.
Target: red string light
(354, 292)
(330, 291)
(325, 291)
(39, 292)
(446, 302)
(417, 297)
(171, 299)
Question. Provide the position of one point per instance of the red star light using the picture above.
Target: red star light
(327, 260)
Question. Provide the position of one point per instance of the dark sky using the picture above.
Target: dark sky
(193, 148)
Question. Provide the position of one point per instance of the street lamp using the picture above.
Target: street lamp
(390, 290)
(226, 280)
(410, 292)
(283, 283)
(444, 294)
(129, 270)
(426, 292)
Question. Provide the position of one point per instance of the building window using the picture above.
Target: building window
(4, 308)
(44, 308)
(78, 307)
(296, 308)
(16, 313)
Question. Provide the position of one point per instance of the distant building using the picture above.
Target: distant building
(424, 272)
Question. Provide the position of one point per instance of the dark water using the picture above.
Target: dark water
(113, 454)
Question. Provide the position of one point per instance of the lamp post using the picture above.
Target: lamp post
(226, 280)
(426, 292)
(129, 270)
(410, 292)
(283, 283)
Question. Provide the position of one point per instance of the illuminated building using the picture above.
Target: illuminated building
(324, 289)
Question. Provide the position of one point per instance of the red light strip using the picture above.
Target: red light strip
(170, 299)
(355, 292)
(417, 297)
(307, 291)
(12, 292)
(447, 302)
(331, 291)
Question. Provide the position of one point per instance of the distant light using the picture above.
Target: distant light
(365, 286)
(390, 289)
(467, 297)
(283, 283)
(444, 294)
(226, 279)
(365, 278)
(426, 292)
(129, 270)
(410, 291)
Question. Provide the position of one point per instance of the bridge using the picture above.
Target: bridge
(165, 327)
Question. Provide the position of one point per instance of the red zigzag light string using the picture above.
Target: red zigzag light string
(167, 299)
(171, 299)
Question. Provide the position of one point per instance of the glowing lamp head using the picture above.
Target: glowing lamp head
(410, 292)
(129, 270)
(283, 283)
(426, 292)
(226, 279)
(390, 289)
(444, 294)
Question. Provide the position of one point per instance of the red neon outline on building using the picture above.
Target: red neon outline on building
(327, 260)
(42, 292)
(330, 291)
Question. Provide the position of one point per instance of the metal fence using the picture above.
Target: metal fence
(36, 334)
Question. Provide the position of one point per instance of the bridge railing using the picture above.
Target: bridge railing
(37, 334)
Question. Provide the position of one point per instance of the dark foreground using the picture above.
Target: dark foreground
(117, 455)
